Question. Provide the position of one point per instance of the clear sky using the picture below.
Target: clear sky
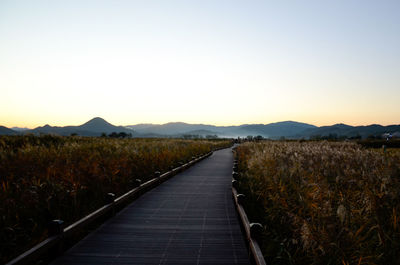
(209, 61)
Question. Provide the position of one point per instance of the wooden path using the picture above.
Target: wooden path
(189, 219)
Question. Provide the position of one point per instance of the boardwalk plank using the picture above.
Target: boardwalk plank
(189, 219)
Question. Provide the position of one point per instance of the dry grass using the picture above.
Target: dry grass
(323, 202)
(48, 177)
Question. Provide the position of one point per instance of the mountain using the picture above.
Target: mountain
(141, 126)
(99, 125)
(19, 129)
(201, 132)
(65, 131)
(337, 129)
(6, 131)
(94, 127)
(278, 129)
(272, 130)
(171, 128)
(351, 131)
(288, 129)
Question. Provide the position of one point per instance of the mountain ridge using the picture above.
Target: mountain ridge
(94, 127)
(288, 129)
(7, 131)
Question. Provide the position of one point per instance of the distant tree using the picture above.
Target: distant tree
(118, 135)
(332, 136)
(103, 134)
(356, 137)
(122, 135)
(258, 138)
(316, 137)
(113, 135)
(74, 134)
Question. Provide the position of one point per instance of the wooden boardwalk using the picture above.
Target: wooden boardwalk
(189, 219)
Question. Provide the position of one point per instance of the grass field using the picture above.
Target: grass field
(323, 202)
(48, 177)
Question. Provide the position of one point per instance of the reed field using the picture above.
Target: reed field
(49, 177)
(323, 202)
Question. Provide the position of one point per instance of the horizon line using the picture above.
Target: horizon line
(201, 123)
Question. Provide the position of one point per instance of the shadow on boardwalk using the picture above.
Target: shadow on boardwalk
(189, 219)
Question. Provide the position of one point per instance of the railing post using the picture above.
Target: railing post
(56, 228)
(110, 200)
(240, 198)
(157, 175)
(256, 230)
(138, 182)
(235, 165)
(234, 183)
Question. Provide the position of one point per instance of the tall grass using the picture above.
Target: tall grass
(49, 177)
(323, 202)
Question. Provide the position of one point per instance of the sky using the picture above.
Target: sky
(211, 61)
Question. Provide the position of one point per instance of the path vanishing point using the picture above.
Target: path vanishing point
(189, 219)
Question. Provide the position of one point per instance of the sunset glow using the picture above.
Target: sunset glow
(212, 62)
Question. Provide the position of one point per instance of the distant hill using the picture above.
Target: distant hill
(99, 125)
(272, 130)
(351, 131)
(287, 129)
(18, 129)
(7, 131)
(141, 126)
(172, 128)
(94, 127)
(202, 132)
(278, 129)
